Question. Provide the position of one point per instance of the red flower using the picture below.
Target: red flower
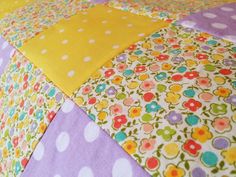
(163, 57)
(24, 162)
(36, 86)
(109, 73)
(148, 96)
(201, 56)
(191, 74)
(26, 77)
(132, 47)
(192, 147)
(201, 39)
(119, 120)
(10, 89)
(177, 77)
(51, 115)
(22, 103)
(92, 100)
(15, 141)
(192, 105)
(225, 71)
(31, 111)
(139, 69)
(152, 163)
(175, 46)
(25, 85)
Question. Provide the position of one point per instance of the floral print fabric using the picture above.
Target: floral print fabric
(169, 101)
(28, 103)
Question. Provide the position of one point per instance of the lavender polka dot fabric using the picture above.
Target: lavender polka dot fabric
(6, 51)
(220, 21)
(74, 146)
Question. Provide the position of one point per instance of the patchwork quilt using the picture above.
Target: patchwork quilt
(119, 88)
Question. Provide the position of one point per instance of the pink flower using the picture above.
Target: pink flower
(154, 67)
(121, 67)
(116, 109)
(221, 124)
(147, 145)
(206, 96)
(147, 85)
(128, 101)
(86, 90)
(40, 101)
(203, 82)
(147, 128)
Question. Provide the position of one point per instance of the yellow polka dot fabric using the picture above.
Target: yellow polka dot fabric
(7, 6)
(73, 49)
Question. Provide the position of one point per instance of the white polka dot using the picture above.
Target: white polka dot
(64, 57)
(84, 13)
(209, 15)
(115, 46)
(71, 73)
(107, 32)
(91, 41)
(141, 34)
(1, 61)
(38, 152)
(122, 168)
(57, 175)
(12, 52)
(67, 106)
(62, 141)
(219, 25)
(154, 20)
(84, 20)
(109, 11)
(124, 17)
(80, 30)
(64, 41)
(85, 172)
(227, 9)
(230, 37)
(188, 23)
(61, 30)
(233, 17)
(104, 22)
(42, 37)
(4, 45)
(130, 25)
(87, 59)
(91, 132)
(43, 51)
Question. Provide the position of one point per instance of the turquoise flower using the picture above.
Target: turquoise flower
(128, 72)
(189, 93)
(212, 42)
(12, 112)
(92, 117)
(9, 145)
(29, 67)
(152, 107)
(234, 49)
(234, 84)
(182, 69)
(17, 167)
(163, 14)
(209, 159)
(155, 35)
(120, 136)
(161, 76)
(177, 51)
(192, 119)
(39, 114)
(52, 92)
(138, 52)
(22, 116)
(100, 88)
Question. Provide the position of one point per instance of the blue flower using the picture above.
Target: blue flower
(138, 52)
(212, 42)
(156, 35)
(22, 116)
(161, 76)
(120, 136)
(189, 93)
(92, 117)
(209, 158)
(52, 92)
(128, 72)
(100, 88)
(152, 107)
(17, 167)
(192, 119)
(182, 69)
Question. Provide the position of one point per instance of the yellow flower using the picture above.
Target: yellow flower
(133, 58)
(143, 77)
(133, 85)
(189, 41)
(1, 93)
(147, 45)
(190, 63)
(205, 35)
(172, 98)
(51, 103)
(190, 47)
(5, 153)
(201, 134)
(230, 155)
(217, 57)
(101, 105)
(204, 62)
(171, 150)
(155, 53)
(173, 171)
(102, 115)
(130, 146)
(117, 80)
(17, 153)
(1, 142)
(33, 98)
(166, 66)
(79, 100)
(176, 88)
(222, 92)
(234, 117)
(135, 112)
(42, 127)
(96, 75)
(34, 144)
(20, 125)
(108, 64)
(219, 80)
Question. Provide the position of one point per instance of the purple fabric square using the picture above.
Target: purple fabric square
(6, 51)
(220, 21)
(74, 146)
